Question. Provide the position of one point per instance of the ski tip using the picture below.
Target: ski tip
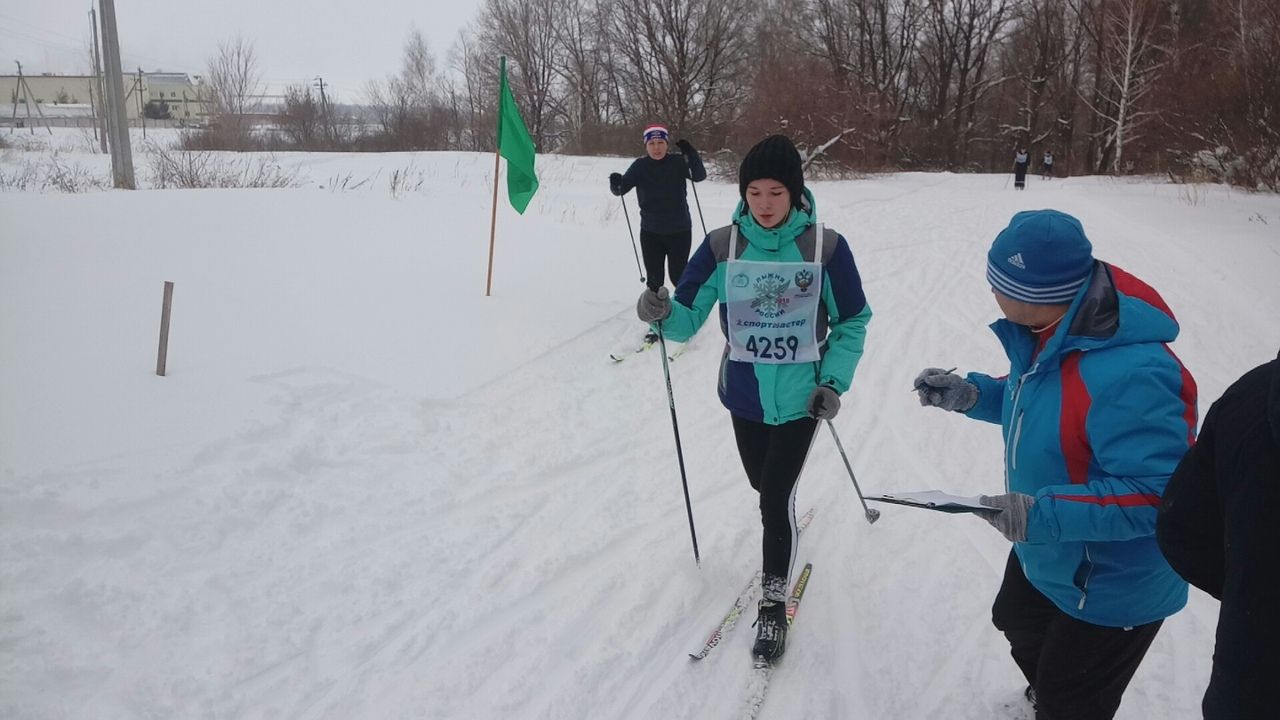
(694, 657)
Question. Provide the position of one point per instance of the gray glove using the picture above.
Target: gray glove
(1011, 521)
(946, 390)
(824, 403)
(653, 306)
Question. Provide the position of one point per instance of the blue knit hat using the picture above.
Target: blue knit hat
(1043, 258)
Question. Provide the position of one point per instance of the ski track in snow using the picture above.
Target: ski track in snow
(355, 546)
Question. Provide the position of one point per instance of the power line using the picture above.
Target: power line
(9, 19)
(38, 41)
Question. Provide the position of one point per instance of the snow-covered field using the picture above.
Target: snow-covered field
(366, 490)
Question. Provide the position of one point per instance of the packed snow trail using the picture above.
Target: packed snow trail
(366, 491)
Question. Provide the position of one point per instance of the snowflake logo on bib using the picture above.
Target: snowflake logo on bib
(769, 301)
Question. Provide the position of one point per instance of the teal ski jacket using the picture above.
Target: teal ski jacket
(776, 394)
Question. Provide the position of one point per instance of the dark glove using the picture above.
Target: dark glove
(654, 306)
(824, 403)
(1011, 520)
(686, 147)
(946, 390)
(615, 183)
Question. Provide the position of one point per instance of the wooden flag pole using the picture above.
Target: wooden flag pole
(493, 221)
(497, 169)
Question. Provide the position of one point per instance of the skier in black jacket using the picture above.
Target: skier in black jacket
(1217, 528)
(666, 230)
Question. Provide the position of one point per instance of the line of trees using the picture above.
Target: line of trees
(1110, 86)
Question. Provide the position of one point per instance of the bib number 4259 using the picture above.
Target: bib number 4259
(776, 348)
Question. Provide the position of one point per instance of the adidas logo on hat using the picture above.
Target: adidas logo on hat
(1016, 261)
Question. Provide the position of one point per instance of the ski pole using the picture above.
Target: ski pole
(872, 515)
(675, 427)
(632, 233)
(689, 173)
(699, 204)
(671, 403)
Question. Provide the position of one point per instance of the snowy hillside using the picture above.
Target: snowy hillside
(365, 490)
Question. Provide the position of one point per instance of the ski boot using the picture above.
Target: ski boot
(771, 631)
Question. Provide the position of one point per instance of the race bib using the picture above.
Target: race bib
(773, 308)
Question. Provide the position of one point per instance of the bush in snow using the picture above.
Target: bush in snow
(52, 174)
(195, 169)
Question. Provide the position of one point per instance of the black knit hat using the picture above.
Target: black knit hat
(775, 158)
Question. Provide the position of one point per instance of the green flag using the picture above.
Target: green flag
(516, 146)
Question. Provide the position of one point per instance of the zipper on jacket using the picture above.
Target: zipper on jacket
(1011, 439)
(1013, 449)
(1084, 586)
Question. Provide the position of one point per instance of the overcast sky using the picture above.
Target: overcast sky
(347, 43)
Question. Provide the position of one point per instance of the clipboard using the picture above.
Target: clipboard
(936, 500)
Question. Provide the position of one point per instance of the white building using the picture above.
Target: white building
(183, 98)
(68, 97)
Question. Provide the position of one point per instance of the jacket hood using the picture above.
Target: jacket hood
(1113, 308)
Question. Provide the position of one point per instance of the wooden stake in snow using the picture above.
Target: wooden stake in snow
(164, 328)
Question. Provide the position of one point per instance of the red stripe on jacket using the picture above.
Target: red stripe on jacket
(1129, 285)
(1188, 396)
(1121, 500)
(1135, 288)
(1073, 436)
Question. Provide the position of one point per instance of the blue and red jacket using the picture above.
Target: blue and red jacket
(1094, 424)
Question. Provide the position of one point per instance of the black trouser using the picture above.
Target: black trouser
(773, 456)
(1079, 670)
(1019, 174)
(671, 248)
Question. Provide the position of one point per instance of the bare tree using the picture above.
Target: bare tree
(871, 44)
(473, 63)
(580, 64)
(1134, 41)
(683, 61)
(234, 84)
(525, 32)
(407, 105)
(302, 120)
(962, 34)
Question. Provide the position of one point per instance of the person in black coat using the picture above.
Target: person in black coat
(1217, 527)
(666, 230)
(1020, 163)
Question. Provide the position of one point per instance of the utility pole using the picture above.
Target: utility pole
(13, 118)
(122, 153)
(100, 109)
(26, 102)
(142, 106)
(324, 109)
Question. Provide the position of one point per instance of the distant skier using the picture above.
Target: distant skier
(1096, 412)
(666, 229)
(1020, 163)
(793, 311)
(1046, 166)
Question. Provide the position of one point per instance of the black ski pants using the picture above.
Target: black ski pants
(669, 248)
(773, 456)
(1079, 670)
